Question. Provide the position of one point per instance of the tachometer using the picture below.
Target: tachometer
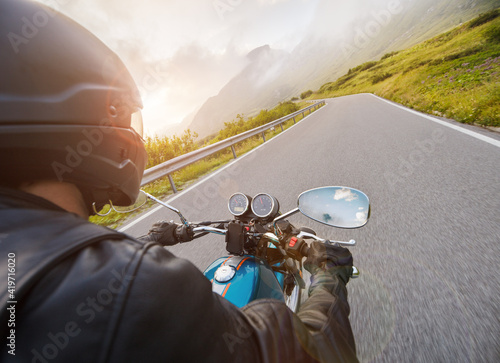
(264, 205)
(239, 204)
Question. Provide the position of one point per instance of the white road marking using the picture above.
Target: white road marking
(444, 123)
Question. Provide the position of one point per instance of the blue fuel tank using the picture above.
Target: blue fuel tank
(242, 279)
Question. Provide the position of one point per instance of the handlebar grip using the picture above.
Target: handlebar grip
(184, 233)
(305, 250)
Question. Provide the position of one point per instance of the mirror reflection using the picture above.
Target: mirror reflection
(336, 206)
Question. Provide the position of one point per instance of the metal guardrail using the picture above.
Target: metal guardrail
(168, 167)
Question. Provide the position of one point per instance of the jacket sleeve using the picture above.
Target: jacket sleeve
(319, 332)
(171, 313)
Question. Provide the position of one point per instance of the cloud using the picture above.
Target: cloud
(178, 52)
(182, 52)
(361, 217)
(345, 194)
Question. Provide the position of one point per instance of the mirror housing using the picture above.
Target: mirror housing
(340, 207)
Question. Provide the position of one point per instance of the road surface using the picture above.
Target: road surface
(429, 289)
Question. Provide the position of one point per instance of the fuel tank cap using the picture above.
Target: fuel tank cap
(225, 273)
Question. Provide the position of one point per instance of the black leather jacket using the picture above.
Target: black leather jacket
(117, 299)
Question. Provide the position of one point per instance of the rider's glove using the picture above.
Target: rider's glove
(184, 233)
(163, 233)
(333, 259)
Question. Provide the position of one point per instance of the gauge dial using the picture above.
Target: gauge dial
(239, 204)
(263, 205)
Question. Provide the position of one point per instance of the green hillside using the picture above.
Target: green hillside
(454, 75)
(419, 21)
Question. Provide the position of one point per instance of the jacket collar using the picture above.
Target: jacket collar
(13, 198)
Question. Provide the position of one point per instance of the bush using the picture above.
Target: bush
(344, 79)
(493, 34)
(306, 94)
(436, 62)
(380, 77)
(325, 87)
(363, 67)
(463, 53)
(161, 149)
(484, 18)
(388, 55)
(238, 126)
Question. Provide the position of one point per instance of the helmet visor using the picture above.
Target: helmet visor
(136, 122)
(142, 198)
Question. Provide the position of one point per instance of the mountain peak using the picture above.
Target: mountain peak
(257, 52)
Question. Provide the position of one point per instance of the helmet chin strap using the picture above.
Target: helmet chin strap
(95, 199)
(89, 202)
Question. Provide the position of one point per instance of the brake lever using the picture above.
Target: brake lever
(340, 243)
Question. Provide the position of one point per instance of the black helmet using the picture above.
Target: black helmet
(69, 109)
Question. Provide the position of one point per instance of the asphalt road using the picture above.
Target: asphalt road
(429, 289)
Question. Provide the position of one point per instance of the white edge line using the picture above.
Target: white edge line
(177, 195)
(444, 123)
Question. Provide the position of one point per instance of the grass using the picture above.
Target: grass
(454, 75)
(186, 176)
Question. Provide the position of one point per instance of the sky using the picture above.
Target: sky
(181, 52)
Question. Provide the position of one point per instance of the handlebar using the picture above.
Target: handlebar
(300, 235)
(210, 230)
(303, 250)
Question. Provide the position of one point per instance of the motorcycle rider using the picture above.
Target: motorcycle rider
(70, 137)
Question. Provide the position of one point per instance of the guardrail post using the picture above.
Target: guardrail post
(234, 151)
(264, 136)
(281, 127)
(294, 120)
(172, 184)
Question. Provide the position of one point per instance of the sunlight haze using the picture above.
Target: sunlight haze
(181, 53)
(191, 48)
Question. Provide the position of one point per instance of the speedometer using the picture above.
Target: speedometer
(239, 204)
(264, 205)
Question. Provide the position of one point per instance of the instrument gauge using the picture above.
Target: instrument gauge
(264, 205)
(239, 204)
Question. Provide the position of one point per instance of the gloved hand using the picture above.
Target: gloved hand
(162, 232)
(333, 259)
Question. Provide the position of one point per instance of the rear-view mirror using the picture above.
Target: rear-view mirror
(336, 206)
